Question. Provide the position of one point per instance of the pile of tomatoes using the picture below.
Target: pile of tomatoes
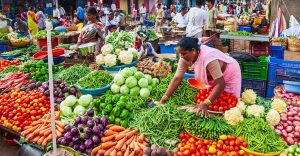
(225, 146)
(6, 63)
(223, 103)
(19, 109)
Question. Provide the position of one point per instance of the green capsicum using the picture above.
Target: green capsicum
(124, 113)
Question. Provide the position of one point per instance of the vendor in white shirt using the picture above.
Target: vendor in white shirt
(197, 19)
(112, 24)
(113, 6)
(143, 12)
(181, 18)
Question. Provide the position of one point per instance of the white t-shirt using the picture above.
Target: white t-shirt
(181, 20)
(143, 10)
(62, 11)
(56, 13)
(113, 7)
(197, 18)
(106, 11)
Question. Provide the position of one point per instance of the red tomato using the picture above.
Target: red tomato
(215, 108)
(245, 144)
(181, 136)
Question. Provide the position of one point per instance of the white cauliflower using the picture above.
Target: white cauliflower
(249, 96)
(100, 59)
(241, 106)
(117, 51)
(125, 57)
(107, 49)
(233, 116)
(273, 117)
(255, 110)
(279, 105)
(110, 60)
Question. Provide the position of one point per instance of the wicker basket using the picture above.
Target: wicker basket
(277, 41)
(294, 44)
(20, 44)
(253, 153)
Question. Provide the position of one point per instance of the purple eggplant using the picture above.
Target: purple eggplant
(81, 148)
(73, 91)
(63, 141)
(47, 93)
(89, 131)
(77, 120)
(91, 123)
(67, 128)
(68, 137)
(88, 143)
(59, 140)
(60, 95)
(104, 121)
(85, 120)
(76, 139)
(101, 134)
(96, 139)
(96, 130)
(71, 144)
(90, 112)
(81, 127)
(76, 147)
(74, 131)
(65, 90)
(89, 151)
(61, 86)
(86, 136)
(97, 120)
(59, 81)
(59, 100)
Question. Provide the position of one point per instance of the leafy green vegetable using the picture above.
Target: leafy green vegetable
(11, 69)
(73, 73)
(95, 79)
(240, 33)
(120, 40)
(43, 34)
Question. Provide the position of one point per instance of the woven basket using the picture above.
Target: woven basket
(20, 44)
(294, 44)
(279, 41)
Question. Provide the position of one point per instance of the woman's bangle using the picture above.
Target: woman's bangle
(207, 102)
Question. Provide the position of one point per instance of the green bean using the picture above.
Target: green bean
(73, 73)
(95, 79)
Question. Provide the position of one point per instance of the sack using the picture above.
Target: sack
(294, 43)
(277, 41)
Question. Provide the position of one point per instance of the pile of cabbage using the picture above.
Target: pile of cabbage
(72, 106)
(129, 81)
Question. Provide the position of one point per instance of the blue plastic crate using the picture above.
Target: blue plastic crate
(277, 52)
(245, 28)
(292, 87)
(3, 48)
(167, 49)
(187, 76)
(259, 86)
(280, 70)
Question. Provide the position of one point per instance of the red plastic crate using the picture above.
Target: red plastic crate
(259, 48)
(43, 42)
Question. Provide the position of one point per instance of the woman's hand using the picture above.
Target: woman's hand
(162, 101)
(201, 110)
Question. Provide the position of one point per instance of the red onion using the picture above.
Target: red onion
(296, 123)
(289, 114)
(297, 118)
(297, 134)
(284, 133)
(285, 125)
(279, 127)
(297, 129)
(289, 129)
(289, 140)
(289, 122)
(291, 135)
(290, 119)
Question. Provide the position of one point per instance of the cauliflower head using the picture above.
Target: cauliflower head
(233, 116)
(249, 96)
(255, 110)
(273, 117)
(118, 51)
(110, 60)
(279, 105)
(134, 52)
(107, 49)
(100, 59)
(241, 106)
(125, 57)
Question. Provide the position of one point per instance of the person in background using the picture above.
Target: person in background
(32, 23)
(113, 6)
(134, 12)
(56, 13)
(40, 18)
(112, 25)
(181, 18)
(212, 68)
(167, 14)
(102, 17)
(106, 10)
(230, 9)
(197, 19)
(224, 8)
(238, 9)
(96, 36)
(172, 8)
(258, 6)
(121, 17)
(80, 13)
(143, 12)
(212, 17)
(62, 10)
(159, 13)
(20, 26)
(24, 15)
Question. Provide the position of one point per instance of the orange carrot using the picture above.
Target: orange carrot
(28, 131)
(60, 124)
(109, 132)
(120, 153)
(113, 153)
(45, 130)
(95, 150)
(127, 152)
(125, 131)
(131, 133)
(141, 138)
(123, 149)
(101, 152)
(132, 153)
(108, 126)
(58, 134)
(59, 129)
(36, 139)
(40, 141)
(107, 138)
(117, 128)
(107, 153)
(141, 145)
(48, 139)
(129, 140)
(107, 145)
(132, 145)
(136, 148)
(145, 143)
(120, 136)
(146, 139)
(120, 144)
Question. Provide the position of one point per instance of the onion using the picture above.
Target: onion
(289, 122)
(297, 134)
(289, 114)
(291, 135)
(289, 129)
(285, 125)
(290, 140)
(284, 133)
(297, 129)
(283, 118)
(279, 127)
(296, 123)
(290, 119)
(278, 131)
(297, 118)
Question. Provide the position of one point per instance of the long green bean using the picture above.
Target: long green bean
(95, 79)
(73, 73)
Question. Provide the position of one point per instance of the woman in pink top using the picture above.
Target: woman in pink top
(212, 68)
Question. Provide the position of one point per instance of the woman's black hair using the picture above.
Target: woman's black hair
(188, 43)
(92, 10)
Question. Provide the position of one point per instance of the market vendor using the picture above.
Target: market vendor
(212, 68)
(181, 18)
(112, 24)
(92, 31)
(20, 26)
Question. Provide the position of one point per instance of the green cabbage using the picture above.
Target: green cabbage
(133, 69)
(70, 100)
(85, 100)
(126, 72)
(119, 79)
(79, 110)
(144, 92)
(115, 88)
(131, 82)
(66, 111)
(138, 75)
(135, 91)
(150, 88)
(149, 78)
(124, 90)
(143, 83)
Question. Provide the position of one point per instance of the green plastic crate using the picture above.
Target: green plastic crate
(255, 70)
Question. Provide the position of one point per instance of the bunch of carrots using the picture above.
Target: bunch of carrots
(40, 131)
(118, 141)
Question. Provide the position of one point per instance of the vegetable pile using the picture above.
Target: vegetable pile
(290, 98)
(13, 81)
(292, 150)
(259, 135)
(289, 126)
(6, 63)
(132, 82)
(31, 85)
(240, 33)
(158, 69)
(43, 34)
(184, 94)
(210, 128)
(118, 108)
(39, 131)
(72, 106)
(160, 124)
(60, 90)
(223, 103)
(11, 69)
(73, 73)
(156, 150)
(19, 109)
(85, 134)
(122, 40)
(120, 141)
(95, 79)
(39, 70)
(224, 146)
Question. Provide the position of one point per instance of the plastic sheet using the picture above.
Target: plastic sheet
(27, 150)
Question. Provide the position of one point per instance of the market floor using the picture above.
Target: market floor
(6, 149)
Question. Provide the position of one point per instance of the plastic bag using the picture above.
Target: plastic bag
(293, 31)
(293, 22)
(3, 27)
